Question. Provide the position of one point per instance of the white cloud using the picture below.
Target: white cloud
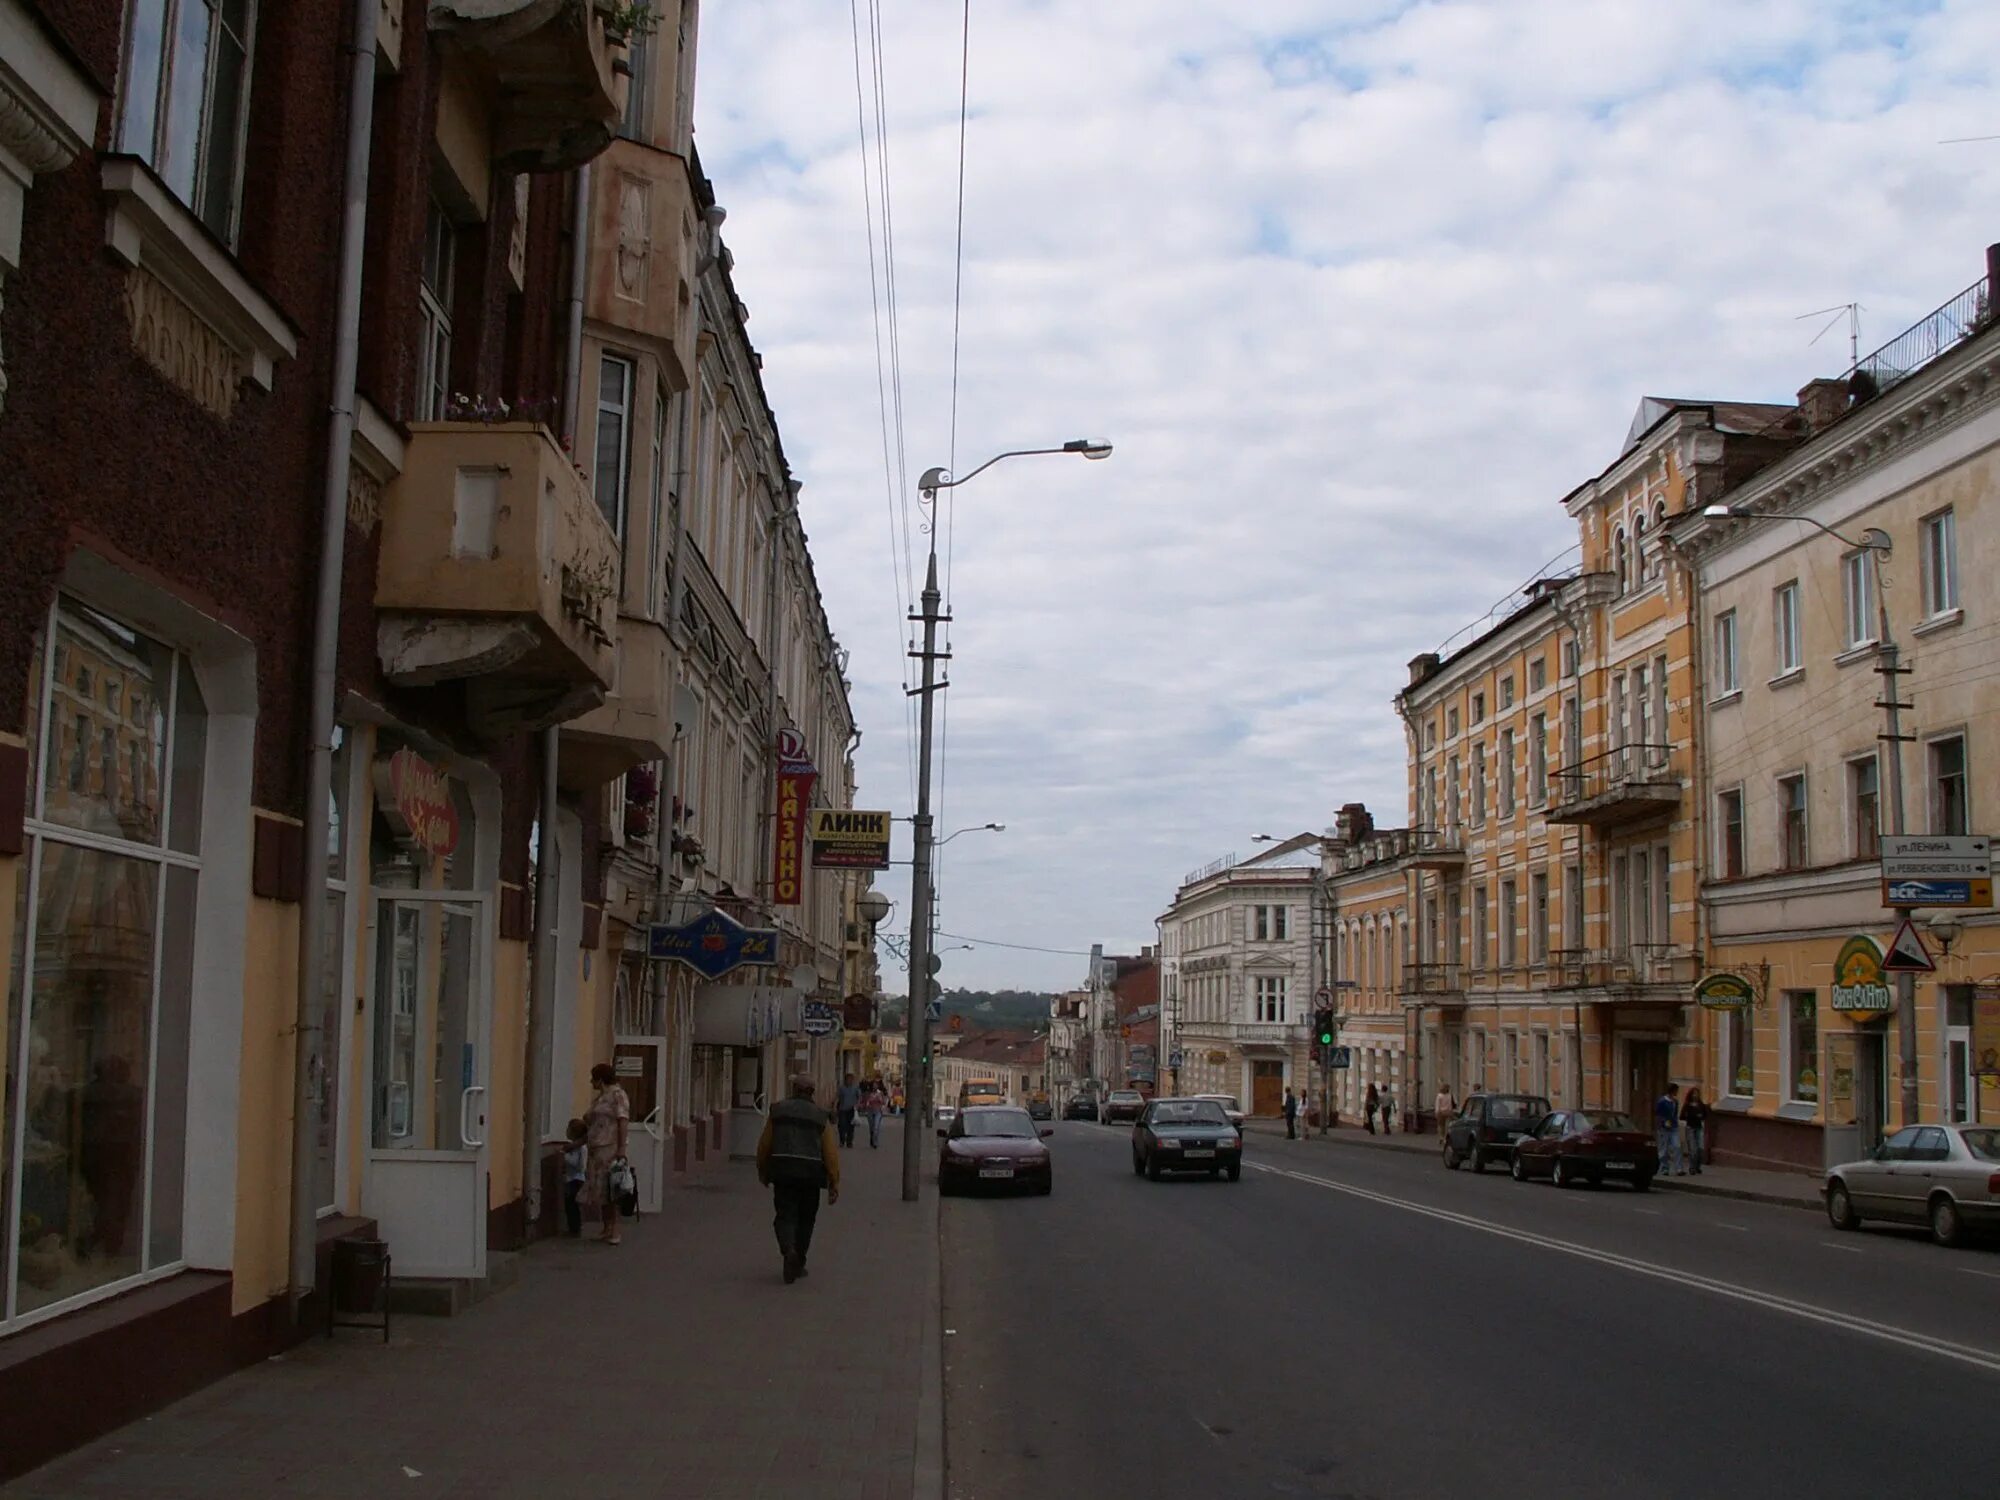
(1360, 290)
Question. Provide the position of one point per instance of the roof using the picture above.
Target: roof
(1728, 416)
(1002, 1047)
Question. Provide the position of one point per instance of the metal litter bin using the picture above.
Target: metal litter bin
(359, 1294)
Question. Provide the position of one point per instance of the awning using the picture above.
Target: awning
(744, 1015)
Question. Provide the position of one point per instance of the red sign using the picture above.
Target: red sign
(796, 779)
(415, 796)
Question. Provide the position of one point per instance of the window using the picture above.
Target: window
(1509, 918)
(1940, 564)
(1538, 674)
(1505, 772)
(1620, 564)
(1640, 568)
(434, 300)
(1538, 1079)
(1478, 708)
(638, 86)
(1727, 678)
(1451, 782)
(1951, 810)
(1802, 1046)
(1271, 997)
(1450, 722)
(103, 1010)
(1430, 734)
(1538, 917)
(1618, 705)
(1739, 1053)
(611, 467)
(1642, 708)
(1572, 659)
(1481, 920)
(1479, 784)
(182, 107)
(1507, 692)
(1658, 757)
(1538, 760)
(1785, 643)
(1729, 833)
(1572, 731)
(1864, 806)
(1792, 848)
(1272, 924)
(1857, 599)
(1573, 906)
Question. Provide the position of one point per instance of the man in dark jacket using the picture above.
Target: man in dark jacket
(797, 1156)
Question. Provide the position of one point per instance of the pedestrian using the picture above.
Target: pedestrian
(846, 1100)
(1667, 1127)
(576, 1172)
(1369, 1104)
(1446, 1107)
(874, 1099)
(796, 1157)
(1291, 1116)
(1388, 1111)
(1694, 1115)
(605, 1124)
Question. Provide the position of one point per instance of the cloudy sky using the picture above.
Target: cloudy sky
(1359, 289)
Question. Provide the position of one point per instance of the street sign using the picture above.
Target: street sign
(1930, 856)
(1907, 953)
(817, 1018)
(1909, 893)
(934, 1008)
(1340, 1057)
(1174, 1059)
(1322, 995)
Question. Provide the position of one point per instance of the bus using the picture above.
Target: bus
(980, 1091)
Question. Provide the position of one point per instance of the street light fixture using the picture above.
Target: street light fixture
(1874, 539)
(921, 894)
(975, 828)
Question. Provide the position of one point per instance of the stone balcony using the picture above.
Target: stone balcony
(546, 70)
(497, 569)
(634, 723)
(642, 251)
(1627, 784)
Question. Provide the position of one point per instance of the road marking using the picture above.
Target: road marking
(1994, 1275)
(1651, 1213)
(1739, 1228)
(1770, 1301)
(1836, 1245)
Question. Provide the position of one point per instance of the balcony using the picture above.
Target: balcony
(1438, 848)
(634, 724)
(545, 69)
(1640, 971)
(1438, 982)
(1630, 784)
(497, 569)
(642, 251)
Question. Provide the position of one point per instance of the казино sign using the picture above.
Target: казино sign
(846, 838)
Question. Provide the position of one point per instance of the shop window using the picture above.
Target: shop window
(1802, 1046)
(1739, 1056)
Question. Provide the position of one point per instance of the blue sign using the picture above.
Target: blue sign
(1340, 1057)
(1937, 892)
(1174, 1059)
(713, 944)
(934, 1009)
(819, 1019)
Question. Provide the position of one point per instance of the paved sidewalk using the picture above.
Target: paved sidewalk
(1750, 1184)
(677, 1365)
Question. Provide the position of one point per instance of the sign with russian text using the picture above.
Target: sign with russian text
(848, 838)
(1725, 992)
(415, 796)
(1860, 987)
(713, 944)
(796, 778)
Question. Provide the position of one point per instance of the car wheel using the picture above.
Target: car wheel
(1213, 1173)
(1840, 1207)
(1478, 1157)
(1642, 1182)
(1947, 1225)
(1451, 1157)
(1138, 1165)
(1235, 1173)
(1561, 1175)
(1045, 1189)
(1518, 1169)
(1152, 1169)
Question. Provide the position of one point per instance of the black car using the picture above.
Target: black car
(1489, 1125)
(1186, 1135)
(1082, 1107)
(1040, 1109)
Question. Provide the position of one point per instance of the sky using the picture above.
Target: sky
(1358, 289)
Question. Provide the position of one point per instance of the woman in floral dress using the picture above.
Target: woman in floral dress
(605, 1124)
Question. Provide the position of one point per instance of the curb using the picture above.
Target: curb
(927, 1466)
(1741, 1195)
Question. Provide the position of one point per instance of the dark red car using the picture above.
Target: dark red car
(1589, 1145)
(994, 1146)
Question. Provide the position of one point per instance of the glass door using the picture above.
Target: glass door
(431, 997)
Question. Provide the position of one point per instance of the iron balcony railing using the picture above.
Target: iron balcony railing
(1633, 966)
(1433, 977)
(1622, 768)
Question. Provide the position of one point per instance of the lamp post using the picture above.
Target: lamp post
(1875, 541)
(922, 897)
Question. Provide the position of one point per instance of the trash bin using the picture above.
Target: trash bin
(359, 1294)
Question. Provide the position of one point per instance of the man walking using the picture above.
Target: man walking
(1371, 1103)
(846, 1100)
(1667, 1126)
(1291, 1116)
(796, 1157)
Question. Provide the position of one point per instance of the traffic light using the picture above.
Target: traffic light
(1323, 1027)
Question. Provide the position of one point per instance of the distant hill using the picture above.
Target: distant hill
(1026, 1010)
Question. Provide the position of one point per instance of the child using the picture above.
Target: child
(574, 1157)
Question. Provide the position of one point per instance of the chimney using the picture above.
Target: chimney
(1822, 403)
(1354, 823)
(1422, 666)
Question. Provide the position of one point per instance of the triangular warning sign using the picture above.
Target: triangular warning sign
(1907, 953)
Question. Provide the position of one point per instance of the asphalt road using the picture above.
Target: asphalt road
(1354, 1323)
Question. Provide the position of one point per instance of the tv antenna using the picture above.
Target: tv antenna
(1852, 312)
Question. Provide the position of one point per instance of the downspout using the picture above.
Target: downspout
(326, 644)
(542, 1000)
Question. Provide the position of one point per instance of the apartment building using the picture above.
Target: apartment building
(1881, 518)
(1366, 884)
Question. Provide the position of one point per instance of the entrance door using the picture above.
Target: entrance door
(432, 1002)
(640, 1062)
(1871, 1090)
(1645, 1077)
(1267, 1088)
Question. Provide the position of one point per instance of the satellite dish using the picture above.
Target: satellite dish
(687, 709)
(805, 977)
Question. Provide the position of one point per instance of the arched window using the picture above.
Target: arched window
(1641, 565)
(1619, 562)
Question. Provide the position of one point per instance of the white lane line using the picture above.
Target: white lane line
(1651, 1213)
(1993, 1275)
(1804, 1311)
(1739, 1228)
(1850, 1249)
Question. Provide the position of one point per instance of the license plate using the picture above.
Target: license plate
(996, 1171)
(1199, 1151)
(1619, 1166)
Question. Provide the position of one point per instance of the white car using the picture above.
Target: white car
(943, 1115)
(1230, 1107)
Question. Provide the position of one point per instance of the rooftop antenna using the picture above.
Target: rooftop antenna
(1852, 311)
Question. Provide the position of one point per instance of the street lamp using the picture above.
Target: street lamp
(975, 828)
(1876, 541)
(921, 895)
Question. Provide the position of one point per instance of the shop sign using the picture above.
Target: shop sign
(819, 1019)
(1860, 988)
(415, 796)
(1986, 1047)
(713, 944)
(858, 1012)
(796, 778)
(847, 838)
(1725, 992)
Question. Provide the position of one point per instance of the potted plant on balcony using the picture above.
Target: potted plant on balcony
(625, 19)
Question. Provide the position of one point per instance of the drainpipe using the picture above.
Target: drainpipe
(542, 1000)
(326, 647)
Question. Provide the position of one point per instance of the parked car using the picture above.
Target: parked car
(1123, 1104)
(1230, 1107)
(1946, 1176)
(943, 1115)
(1186, 1135)
(1488, 1126)
(1082, 1107)
(1039, 1108)
(994, 1146)
(1593, 1146)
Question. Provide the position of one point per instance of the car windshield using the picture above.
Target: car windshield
(1189, 1112)
(1124, 1095)
(1983, 1144)
(1516, 1111)
(1011, 1123)
(1227, 1101)
(1609, 1119)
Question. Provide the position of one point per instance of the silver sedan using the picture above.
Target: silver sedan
(1946, 1176)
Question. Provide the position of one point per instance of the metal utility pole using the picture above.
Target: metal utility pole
(917, 1043)
(1888, 668)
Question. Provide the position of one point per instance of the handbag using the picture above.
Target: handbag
(624, 1185)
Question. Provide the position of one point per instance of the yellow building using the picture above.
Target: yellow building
(1365, 883)
(1799, 785)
